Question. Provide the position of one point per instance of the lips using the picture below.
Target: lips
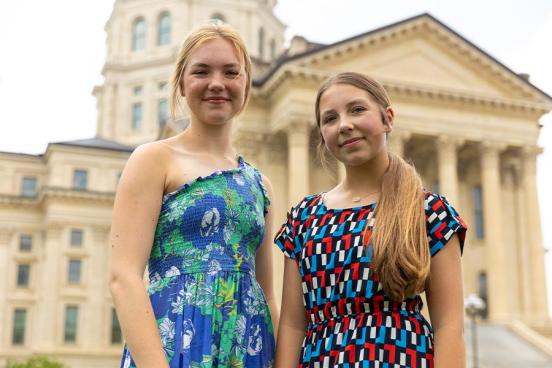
(350, 141)
(216, 99)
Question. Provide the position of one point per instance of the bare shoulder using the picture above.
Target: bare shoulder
(266, 182)
(148, 163)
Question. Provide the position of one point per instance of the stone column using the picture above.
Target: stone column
(298, 134)
(534, 243)
(248, 144)
(499, 290)
(447, 155)
(49, 317)
(396, 141)
(5, 334)
(523, 252)
(96, 280)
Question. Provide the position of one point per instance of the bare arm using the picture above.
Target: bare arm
(263, 263)
(135, 215)
(293, 322)
(446, 307)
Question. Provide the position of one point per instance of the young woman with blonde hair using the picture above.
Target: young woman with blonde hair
(195, 212)
(360, 254)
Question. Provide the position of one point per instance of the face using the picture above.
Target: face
(214, 82)
(351, 125)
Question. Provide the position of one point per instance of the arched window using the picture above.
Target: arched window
(164, 29)
(218, 16)
(261, 43)
(139, 34)
(482, 291)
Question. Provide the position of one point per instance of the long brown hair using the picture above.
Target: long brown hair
(205, 32)
(399, 239)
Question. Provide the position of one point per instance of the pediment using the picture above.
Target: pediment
(423, 52)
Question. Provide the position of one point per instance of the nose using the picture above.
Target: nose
(345, 125)
(216, 82)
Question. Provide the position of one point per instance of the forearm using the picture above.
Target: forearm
(274, 314)
(449, 347)
(288, 349)
(138, 323)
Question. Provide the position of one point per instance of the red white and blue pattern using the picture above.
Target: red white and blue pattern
(352, 323)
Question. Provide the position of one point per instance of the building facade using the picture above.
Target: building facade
(468, 123)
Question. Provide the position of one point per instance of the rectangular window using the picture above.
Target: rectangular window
(136, 115)
(137, 91)
(80, 179)
(25, 243)
(71, 321)
(162, 112)
(478, 211)
(116, 335)
(76, 238)
(74, 271)
(23, 275)
(162, 86)
(29, 187)
(19, 321)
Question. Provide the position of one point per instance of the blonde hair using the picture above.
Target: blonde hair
(399, 238)
(206, 32)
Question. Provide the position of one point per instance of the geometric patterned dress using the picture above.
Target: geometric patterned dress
(351, 322)
(210, 309)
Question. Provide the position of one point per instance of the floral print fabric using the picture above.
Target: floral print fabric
(209, 308)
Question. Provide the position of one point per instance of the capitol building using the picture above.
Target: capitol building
(468, 123)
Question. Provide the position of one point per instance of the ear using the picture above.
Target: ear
(390, 113)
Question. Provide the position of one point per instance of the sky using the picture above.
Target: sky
(52, 53)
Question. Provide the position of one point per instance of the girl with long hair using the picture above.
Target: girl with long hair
(359, 255)
(192, 210)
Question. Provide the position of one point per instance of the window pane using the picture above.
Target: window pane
(76, 238)
(23, 272)
(139, 35)
(162, 113)
(25, 243)
(80, 179)
(162, 86)
(261, 43)
(164, 31)
(477, 196)
(74, 274)
(28, 187)
(137, 91)
(116, 335)
(136, 115)
(19, 321)
(71, 318)
(272, 49)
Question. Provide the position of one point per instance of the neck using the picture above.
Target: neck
(209, 139)
(365, 178)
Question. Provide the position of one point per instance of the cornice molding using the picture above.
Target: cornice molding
(59, 193)
(410, 90)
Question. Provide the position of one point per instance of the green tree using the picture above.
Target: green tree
(36, 362)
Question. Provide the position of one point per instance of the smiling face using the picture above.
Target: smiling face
(214, 82)
(353, 126)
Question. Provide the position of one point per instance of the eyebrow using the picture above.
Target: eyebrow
(203, 65)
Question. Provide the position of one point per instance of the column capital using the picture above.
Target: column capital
(298, 126)
(444, 141)
(487, 146)
(531, 152)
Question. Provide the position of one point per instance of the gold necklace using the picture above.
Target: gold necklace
(357, 199)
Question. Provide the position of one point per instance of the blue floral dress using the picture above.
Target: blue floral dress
(209, 308)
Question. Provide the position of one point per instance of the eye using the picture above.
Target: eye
(199, 72)
(358, 109)
(329, 118)
(232, 73)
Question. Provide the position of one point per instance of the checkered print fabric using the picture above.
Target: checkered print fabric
(351, 321)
